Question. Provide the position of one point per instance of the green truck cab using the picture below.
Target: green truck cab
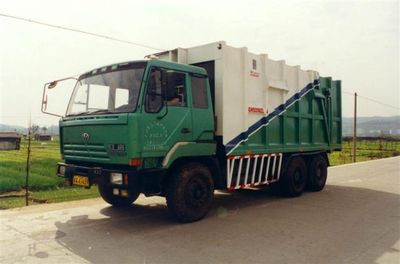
(129, 124)
(167, 127)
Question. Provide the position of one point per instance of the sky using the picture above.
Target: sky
(353, 41)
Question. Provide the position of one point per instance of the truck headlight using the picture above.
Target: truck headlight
(61, 170)
(116, 178)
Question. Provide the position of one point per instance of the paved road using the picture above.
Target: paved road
(356, 219)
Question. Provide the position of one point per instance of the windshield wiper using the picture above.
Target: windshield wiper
(101, 111)
(79, 114)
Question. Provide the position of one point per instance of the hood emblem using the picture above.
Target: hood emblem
(85, 137)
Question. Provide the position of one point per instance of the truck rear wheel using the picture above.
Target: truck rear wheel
(190, 192)
(294, 178)
(106, 193)
(317, 173)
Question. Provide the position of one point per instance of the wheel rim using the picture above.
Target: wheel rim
(298, 179)
(319, 173)
(196, 193)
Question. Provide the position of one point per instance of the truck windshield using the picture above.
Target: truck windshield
(114, 91)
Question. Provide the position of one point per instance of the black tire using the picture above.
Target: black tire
(294, 179)
(106, 193)
(190, 192)
(317, 173)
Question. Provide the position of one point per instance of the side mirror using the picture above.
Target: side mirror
(52, 85)
(56, 96)
(153, 96)
(154, 102)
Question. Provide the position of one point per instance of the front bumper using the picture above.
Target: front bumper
(96, 175)
(148, 181)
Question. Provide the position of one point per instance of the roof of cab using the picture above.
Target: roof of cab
(177, 66)
(150, 62)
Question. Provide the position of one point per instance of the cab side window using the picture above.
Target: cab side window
(165, 87)
(175, 90)
(199, 92)
(154, 99)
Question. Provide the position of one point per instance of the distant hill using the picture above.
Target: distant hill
(372, 126)
(51, 130)
(366, 127)
(8, 128)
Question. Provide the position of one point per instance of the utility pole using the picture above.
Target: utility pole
(355, 128)
(28, 167)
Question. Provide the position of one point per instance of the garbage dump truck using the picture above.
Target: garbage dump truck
(188, 121)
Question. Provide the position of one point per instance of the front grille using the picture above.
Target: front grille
(95, 152)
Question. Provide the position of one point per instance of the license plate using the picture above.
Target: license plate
(80, 180)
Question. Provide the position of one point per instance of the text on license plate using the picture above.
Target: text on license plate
(80, 180)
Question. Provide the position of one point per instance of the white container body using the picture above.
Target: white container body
(248, 86)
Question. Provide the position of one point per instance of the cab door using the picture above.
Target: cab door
(166, 117)
(202, 112)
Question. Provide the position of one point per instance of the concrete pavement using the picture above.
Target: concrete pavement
(356, 219)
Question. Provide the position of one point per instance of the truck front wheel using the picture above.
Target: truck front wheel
(190, 192)
(107, 194)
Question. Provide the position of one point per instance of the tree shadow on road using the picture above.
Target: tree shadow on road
(337, 225)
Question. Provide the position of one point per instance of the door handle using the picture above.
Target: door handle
(185, 130)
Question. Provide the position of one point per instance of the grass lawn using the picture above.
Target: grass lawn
(44, 157)
(45, 186)
(366, 150)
